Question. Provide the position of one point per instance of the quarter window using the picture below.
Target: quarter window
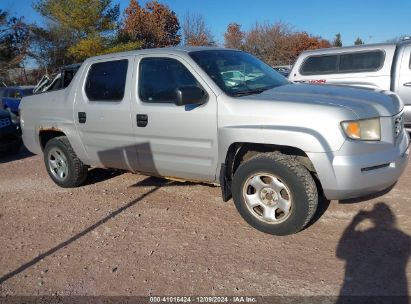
(160, 77)
(106, 81)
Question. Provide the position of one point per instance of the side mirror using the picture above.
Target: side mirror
(190, 95)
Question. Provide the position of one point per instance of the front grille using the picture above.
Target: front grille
(4, 122)
(398, 125)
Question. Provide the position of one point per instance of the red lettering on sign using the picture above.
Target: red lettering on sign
(317, 81)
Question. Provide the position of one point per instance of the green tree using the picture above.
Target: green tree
(89, 26)
(358, 41)
(337, 40)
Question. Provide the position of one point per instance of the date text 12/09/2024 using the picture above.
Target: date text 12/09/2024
(203, 299)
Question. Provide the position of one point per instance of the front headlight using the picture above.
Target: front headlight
(365, 129)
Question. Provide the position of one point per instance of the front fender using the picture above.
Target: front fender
(305, 139)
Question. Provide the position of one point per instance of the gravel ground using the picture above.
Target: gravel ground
(126, 234)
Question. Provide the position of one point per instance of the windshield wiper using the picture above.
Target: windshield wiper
(254, 91)
(248, 92)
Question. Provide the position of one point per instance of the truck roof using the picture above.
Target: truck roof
(167, 50)
(359, 47)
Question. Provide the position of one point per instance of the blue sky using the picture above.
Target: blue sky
(373, 21)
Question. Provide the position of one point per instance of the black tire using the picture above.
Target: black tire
(303, 194)
(76, 170)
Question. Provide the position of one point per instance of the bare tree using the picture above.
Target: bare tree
(276, 44)
(14, 41)
(270, 42)
(234, 36)
(196, 32)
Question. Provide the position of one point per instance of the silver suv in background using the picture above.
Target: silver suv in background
(376, 66)
(223, 117)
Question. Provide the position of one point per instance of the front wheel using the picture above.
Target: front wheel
(274, 193)
(62, 163)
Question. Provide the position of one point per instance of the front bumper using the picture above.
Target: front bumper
(343, 175)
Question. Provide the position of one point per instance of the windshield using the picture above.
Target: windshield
(238, 73)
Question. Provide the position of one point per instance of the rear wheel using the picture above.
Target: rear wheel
(62, 163)
(274, 193)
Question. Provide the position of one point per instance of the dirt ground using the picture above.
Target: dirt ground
(126, 234)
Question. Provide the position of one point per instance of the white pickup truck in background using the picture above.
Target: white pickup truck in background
(376, 66)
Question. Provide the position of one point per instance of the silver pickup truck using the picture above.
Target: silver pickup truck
(272, 145)
(375, 66)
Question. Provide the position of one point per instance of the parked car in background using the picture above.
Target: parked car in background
(272, 145)
(10, 134)
(283, 70)
(12, 95)
(376, 66)
(2, 89)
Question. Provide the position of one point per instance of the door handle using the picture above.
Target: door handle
(407, 84)
(82, 117)
(142, 120)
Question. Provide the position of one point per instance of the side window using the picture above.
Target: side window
(106, 81)
(68, 76)
(56, 85)
(160, 77)
(319, 65)
(361, 61)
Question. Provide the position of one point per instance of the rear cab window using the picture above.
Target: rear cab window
(106, 80)
(350, 62)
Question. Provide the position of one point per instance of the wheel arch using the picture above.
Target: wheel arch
(238, 152)
(46, 134)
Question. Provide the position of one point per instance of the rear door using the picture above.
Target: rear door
(173, 141)
(102, 112)
(404, 84)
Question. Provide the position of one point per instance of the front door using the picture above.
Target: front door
(173, 141)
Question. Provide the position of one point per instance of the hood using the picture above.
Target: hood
(365, 103)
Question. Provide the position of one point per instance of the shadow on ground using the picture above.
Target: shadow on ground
(375, 258)
(22, 154)
(74, 238)
(98, 175)
(322, 207)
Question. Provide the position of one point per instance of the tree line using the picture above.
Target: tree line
(73, 30)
